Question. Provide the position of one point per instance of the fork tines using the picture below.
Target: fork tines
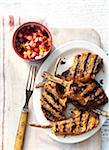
(31, 78)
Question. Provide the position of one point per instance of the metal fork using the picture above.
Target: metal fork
(24, 114)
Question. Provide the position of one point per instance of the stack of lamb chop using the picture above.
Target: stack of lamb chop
(78, 86)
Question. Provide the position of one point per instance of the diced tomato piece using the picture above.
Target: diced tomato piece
(36, 49)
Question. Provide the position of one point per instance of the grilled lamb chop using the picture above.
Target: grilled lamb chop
(83, 95)
(52, 105)
(89, 96)
(84, 68)
(79, 123)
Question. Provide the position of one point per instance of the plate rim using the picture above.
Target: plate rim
(53, 53)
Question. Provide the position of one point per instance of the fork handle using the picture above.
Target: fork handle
(21, 131)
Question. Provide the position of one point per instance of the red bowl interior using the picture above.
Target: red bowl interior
(26, 24)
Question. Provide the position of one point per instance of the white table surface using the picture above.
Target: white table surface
(63, 13)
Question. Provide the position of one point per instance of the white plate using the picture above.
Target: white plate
(69, 50)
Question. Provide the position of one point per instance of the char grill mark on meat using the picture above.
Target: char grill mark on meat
(95, 63)
(90, 92)
(48, 114)
(77, 87)
(50, 108)
(52, 100)
(64, 127)
(77, 118)
(91, 63)
(81, 121)
(48, 87)
(98, 65)
(77, 64)
(84, 121)
(84, 64)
